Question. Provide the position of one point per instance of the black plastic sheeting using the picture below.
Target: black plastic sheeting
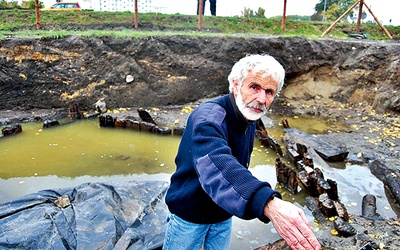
(129, 215)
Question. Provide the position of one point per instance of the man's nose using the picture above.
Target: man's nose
(261, 97)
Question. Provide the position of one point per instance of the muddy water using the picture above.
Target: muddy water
(71, 154)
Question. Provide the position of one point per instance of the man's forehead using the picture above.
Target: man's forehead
(260, 77)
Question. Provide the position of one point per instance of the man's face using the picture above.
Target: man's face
(255, 95)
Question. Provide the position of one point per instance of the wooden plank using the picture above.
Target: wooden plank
(327, 151)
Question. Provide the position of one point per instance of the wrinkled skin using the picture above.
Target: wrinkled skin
(291, 224)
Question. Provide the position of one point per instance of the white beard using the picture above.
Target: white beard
(246, 109)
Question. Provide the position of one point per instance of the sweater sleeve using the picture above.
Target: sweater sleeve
(223, 178)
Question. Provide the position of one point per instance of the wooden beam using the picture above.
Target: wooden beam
(200, 14)
(284, 17)
(377, 21)
(359, 16)
(136, 18)
(37, 14)
(340, 18)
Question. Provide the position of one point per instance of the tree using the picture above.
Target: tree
(260, 12)
(334, 9)
(31, 4)
(11, 4)
(247, 12)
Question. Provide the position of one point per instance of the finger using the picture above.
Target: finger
(296, 245)
(300, 236)
(304, 218)
(294, 238)
(308, 239)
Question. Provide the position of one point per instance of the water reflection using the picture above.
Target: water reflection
(84, 148)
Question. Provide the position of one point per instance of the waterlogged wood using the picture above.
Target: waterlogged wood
(107, 120)
(145, 116)
(74, 112)
(368, 208)
(393, 183)
(300, 146)
(120, 123)
(12, 129)
(333, 191)
(266, 139)
(388, 176)
(279, 244)
(312, 181)
(50, 123)
(343, 227)
(326, 206)
(147, 127)
(312, 204)
(325, 150)
(341, 210)
(132, 124)
(286, 176)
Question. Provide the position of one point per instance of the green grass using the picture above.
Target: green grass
(21, 24)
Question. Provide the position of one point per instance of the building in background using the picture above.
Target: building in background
(116, 5)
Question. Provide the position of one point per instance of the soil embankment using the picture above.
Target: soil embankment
(350, 81)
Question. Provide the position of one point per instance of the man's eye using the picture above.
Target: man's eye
(255, 87)
(269, 92)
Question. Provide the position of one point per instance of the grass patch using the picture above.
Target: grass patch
(21, 24)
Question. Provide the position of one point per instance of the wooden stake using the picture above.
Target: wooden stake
(284, 16)
(361, 2)
(136, 15)
(340, 18)
(377, 21)
(200, 15)
(359, 16)
(37, 14)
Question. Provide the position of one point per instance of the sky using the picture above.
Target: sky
(383, 9)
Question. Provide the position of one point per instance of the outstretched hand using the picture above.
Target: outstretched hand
(291, 224)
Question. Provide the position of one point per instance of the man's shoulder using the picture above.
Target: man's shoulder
(210, 111)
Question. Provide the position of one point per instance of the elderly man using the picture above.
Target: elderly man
(212, 181)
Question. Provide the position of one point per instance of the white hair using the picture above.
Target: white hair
(265, 64)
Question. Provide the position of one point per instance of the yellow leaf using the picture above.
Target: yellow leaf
(23, 76)
(334, 232)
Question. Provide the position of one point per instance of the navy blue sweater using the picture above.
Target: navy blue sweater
(212, 182)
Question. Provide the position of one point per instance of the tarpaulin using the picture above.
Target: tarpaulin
(128, 215)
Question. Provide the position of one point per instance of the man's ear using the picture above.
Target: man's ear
(236, 87)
